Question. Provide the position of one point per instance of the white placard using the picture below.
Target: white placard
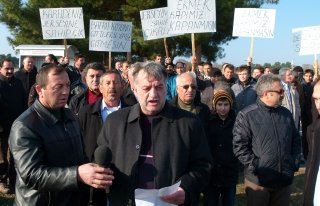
(114, 36)
(155, 23)
(62, 23)
(251, 22)
(306, 40)
(192, 16)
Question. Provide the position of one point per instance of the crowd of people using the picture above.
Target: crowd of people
(161, 122)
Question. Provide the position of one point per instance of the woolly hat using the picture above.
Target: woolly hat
(220, 95)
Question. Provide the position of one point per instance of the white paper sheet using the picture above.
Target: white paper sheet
(152, 197)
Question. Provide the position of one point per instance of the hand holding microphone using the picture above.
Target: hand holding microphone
(98, 175)
(103, 157)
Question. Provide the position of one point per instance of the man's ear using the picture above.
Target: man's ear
(39, 90)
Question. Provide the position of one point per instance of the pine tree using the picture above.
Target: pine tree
(23, 21)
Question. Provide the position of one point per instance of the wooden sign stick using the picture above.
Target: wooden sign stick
(251, 47)
(110, 60)
(193, 43)
(166, 47)
(65, 48)
(315, 65)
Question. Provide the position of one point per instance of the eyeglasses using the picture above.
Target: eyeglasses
(186, 87)
(278, 92)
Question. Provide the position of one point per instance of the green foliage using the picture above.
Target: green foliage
(23, 21)
(275, 65)
(15, 60)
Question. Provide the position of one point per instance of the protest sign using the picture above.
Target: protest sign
(251, 22)
(306, 40)
(114, 36)
(196, 16)
(62, 23)
(155, 23)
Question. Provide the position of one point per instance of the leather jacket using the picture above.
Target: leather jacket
(47, 152)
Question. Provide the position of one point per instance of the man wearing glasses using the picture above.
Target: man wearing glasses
(186, 90)
(267, 143)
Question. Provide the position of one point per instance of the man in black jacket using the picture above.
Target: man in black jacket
(12, 97)
(91, 118)
(48, 150)
(267, 143)
(312, 183)
(155, 145)
(27, 75)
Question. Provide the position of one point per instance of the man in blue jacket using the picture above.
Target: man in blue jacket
(267, 143)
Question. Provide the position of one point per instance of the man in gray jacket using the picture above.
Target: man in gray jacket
(48, 150)
(155, 144)
(244, 88)
(267, 143)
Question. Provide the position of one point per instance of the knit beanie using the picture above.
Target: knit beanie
(220, 95)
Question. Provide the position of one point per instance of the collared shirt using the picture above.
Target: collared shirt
(287, 89)
(105, 110)
(316, 196)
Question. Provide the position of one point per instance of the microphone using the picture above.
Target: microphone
(103, 157)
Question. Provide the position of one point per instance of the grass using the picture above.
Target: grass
(296, 194)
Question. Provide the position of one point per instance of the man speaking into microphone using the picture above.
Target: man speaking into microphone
(155, 145)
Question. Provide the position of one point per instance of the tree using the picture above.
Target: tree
(23, 21)
(15, 60)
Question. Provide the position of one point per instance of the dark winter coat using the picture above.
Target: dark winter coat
(12, 104)
(91, 123)
(313, 161)
(27, 79)
(267, 143)
(47, 152)
(179, 146)
(78, 101)
(225, 164)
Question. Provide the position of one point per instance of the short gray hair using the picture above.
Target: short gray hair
(134, 66)
(222, 85)
(152, 69)
(282, 71)
(190, 74)
(265, 83)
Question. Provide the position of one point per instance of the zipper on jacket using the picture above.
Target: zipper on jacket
(278, 145)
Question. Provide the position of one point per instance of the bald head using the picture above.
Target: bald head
(316, 95)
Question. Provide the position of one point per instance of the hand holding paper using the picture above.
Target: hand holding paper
(176, 198)
(166, 196)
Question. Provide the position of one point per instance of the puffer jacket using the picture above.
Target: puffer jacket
(267, 143)
(47, 152)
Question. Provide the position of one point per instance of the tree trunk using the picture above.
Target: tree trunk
(198, 52)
